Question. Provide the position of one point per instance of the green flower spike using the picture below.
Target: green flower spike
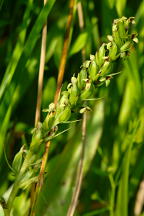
(94, 72)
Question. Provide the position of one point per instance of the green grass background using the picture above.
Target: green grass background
(114, 159)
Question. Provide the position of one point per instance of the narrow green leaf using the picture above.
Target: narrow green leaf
(79, 43)
(111, 3)
(17, 51)
(123, 190)
(22, 73)
(10, 100)
(28, 48)
(120, 6)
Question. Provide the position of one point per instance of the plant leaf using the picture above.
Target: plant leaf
(79, 43)
(120, 6)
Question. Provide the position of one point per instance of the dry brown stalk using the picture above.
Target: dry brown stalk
(40, 177)
(139, 199)
(64, 51)
(81, 25)
(41, 72)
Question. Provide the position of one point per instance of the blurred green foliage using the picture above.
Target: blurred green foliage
(113, 166)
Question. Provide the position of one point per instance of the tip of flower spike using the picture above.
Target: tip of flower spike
(132, 20)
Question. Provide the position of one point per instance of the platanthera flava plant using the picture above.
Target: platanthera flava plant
(74, 99)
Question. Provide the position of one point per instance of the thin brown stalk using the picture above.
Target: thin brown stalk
(40, 178)
(139, 199)
(78, 184)
(81, 24)
(59, 84)
(41, 73)
(64, 51)
(79, 177)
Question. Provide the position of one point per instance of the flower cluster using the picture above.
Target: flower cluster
(93, 72)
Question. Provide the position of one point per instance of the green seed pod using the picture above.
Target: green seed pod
(135, 40)
(121, 28)
(85, 109)
(82, 76)
(64, 100)
(88, 91)
(63, 110)
(93, 70)
(51, 107)
(100, 55)
(86, 64)
(128, 23)
(107, 82)
(126, 46)
(105, 68)
(73, 99)
(64, 115)
(112, 47)
(48, 123)
(17, 162)
(73, 91)
(123, 55)
(116, 36)
(110, 38)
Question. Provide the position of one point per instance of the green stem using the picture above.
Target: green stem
(13, 193)
(6, 212)
(28, 160)
(112, 200)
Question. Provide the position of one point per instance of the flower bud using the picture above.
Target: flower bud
(51, 107)
(116, 36)
(121, 28)
(88, 91)
(64, 99)
(17, 162)
(135, 40)
(110, 38)
(64, 115)
(93, 70)
(105, 68)
(48, 122)
(86, 64)
(81, 79)
(125, 47)
(107, 82)
(123, 54)
(100, 55)
(62, 104)
(112, 47)
(73, 92)
(85, 109)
